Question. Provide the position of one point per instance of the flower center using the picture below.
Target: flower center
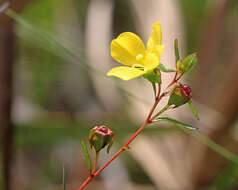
(140, 62)
(139, 57)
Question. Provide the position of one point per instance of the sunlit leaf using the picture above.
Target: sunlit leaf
(193, 109)
(87, 157)
(179, 123)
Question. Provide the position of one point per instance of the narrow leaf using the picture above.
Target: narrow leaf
(193, 109)
(176, 50)
(165, 69)
(178, 123)
(64, 179)
(87, 157)
(212, 145)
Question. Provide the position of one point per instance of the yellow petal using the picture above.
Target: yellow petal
(159, 49)
(155, 36)
(126, 47)
(154, 42)
(125, 73)
(151, 62)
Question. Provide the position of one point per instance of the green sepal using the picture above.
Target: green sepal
(176, 50)
(165, 69)
(154, 89)
(193, 109)
(178, 123)
(154, 76)
(110, 144)
(86, 155)
(99, 141)
(90, 136)
(177, 98)
(95, 140)
(188, 63)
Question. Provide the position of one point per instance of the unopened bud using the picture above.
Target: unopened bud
(187, 64)
(101, 136)
(180, 95)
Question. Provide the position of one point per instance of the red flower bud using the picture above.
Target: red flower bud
(186, 90)
(180, 95)
(101, 136)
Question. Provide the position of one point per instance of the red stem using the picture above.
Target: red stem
(175, 79)
(125, 146)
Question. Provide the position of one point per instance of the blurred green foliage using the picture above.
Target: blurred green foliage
(195, 13)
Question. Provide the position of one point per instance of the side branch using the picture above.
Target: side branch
(125, 146)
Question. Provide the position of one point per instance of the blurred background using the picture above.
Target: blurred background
(54, 55)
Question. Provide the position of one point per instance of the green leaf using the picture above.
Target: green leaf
(64, 179)
(176, 50)
(188, 63)
(154, 76)
(165, 69)
(87, 157)
(193, 109)
(178, 123)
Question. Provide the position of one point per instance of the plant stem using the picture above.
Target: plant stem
(175, 79)
(95, 162)
(125, 146)
(165, 108)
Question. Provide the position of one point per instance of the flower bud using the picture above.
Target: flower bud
(101, 136)
(180, 95)
(187, 64)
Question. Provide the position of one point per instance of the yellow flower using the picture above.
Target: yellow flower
(128, 49)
